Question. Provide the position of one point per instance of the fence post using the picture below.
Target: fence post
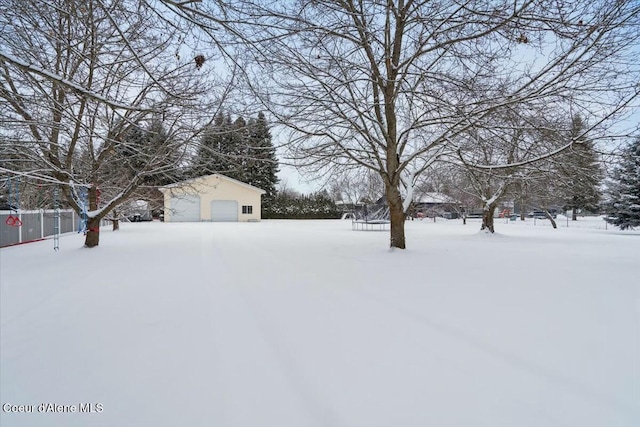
(20, 228)
(42, 223)
(56, 220)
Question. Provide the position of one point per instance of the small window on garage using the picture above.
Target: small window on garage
(248, 210)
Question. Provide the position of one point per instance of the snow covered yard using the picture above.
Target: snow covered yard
(308, 323)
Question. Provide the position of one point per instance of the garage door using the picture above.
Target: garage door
(185, 208)
(224, 210)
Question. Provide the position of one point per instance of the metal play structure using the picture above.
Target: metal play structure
(376, 219)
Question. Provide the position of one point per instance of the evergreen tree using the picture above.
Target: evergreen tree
(237, 152)
(147, 151)
(214, 150)
(134, 139)
(578, 172)
(290, 205)
(240, 150)
(149, 148)
(623, 204)
(163, 154)
(262, 164)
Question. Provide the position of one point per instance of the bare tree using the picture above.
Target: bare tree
(518, 137)
(390, 85)
(521, 139)
(356, 186)
(570, 180)
(75, 78)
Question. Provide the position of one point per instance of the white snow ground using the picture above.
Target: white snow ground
(294, 323)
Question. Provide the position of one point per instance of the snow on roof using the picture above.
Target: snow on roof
(219, 175)
(347, 202)
(434, 198)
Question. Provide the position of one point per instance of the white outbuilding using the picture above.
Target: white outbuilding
(212, 198)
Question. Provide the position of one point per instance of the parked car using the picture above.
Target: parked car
(139, 211)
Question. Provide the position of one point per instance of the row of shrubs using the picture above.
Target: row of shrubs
(295, 206)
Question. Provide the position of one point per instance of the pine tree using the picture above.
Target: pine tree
(131, 149)
(262, 165)
(146, 152)
(237, 152)
(240, 150)
(150, 149)
(623, 204)
(213, 144)
(578, 172)
(163, 155)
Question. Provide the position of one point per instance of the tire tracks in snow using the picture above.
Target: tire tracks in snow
(521, 364)
(269, 343)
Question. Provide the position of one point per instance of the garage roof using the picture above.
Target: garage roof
(222, 177)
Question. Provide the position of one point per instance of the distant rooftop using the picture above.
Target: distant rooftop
(434, 198)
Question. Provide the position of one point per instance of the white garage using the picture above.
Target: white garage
(212, 198)
(224, 210)
(185, 208)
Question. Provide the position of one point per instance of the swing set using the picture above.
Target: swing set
(79, 192)
(13, 220)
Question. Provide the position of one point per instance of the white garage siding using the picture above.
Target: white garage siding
(185, 208)
(224, 211)
(212, 197)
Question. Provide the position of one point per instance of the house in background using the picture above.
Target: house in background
(436, 204)
(213, 197)
(425, 205)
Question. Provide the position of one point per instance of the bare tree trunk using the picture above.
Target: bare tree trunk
(396, 213)
(93, 224)
(574, 214)
(487, 218)
(115, 221)
(550, 218)
(93, 233)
